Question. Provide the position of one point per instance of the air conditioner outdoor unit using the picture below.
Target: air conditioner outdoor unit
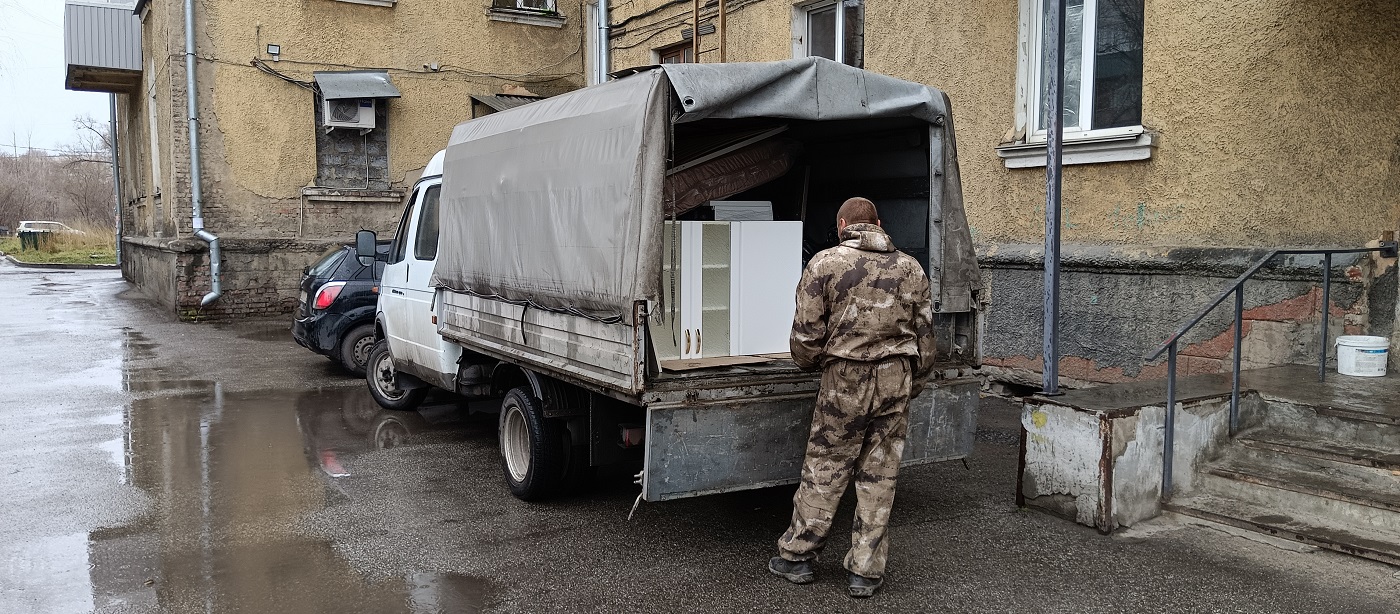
(348, 113)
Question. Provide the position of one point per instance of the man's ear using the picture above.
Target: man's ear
(877, 223)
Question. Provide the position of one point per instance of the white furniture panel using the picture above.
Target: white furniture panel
(767, 260)
(731, 286)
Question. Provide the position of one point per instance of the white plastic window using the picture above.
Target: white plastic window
(831, 29)
(1102, 82)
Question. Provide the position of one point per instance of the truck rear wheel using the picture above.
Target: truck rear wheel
(532, 447)
(383, 385)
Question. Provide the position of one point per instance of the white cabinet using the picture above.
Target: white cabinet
(729, 288)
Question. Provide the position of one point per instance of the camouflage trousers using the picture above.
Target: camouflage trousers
(858, 432)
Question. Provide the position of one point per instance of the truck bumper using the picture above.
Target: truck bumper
(717, 447)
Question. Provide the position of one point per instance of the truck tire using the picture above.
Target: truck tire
(354, 349)
(380, 375)
(532, 447)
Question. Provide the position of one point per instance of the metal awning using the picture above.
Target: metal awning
(101, 47)
(501, 102)
(355, 84)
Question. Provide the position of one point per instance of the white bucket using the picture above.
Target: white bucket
(1361, 355)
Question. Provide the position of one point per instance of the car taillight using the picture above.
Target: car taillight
(327, 294)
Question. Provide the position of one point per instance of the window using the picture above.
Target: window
(680, 53)
(1102, 83)
(351, 158)
(426, 244)
(531, 12)
(538, 6)
(399, 248)
(832, 30)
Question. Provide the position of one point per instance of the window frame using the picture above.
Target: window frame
(1026, 142)
(685, 48)
(801, 46)
(398, 250)
(431, 195)
(1032, 43)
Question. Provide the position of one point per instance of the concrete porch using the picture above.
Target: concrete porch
(1315, 462)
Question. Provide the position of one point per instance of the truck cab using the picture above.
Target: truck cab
(405, 321)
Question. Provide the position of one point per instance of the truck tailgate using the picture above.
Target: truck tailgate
(699, 445)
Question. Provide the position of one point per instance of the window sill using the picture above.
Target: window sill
(371, 2)
(531, 18)
(350, 195)
(1122, 148)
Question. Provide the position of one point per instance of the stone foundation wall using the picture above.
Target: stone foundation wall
(1117, 304)
(259, 277)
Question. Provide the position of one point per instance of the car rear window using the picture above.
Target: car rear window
(327, 262)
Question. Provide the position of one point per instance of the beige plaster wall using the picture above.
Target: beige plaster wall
(1277, 120)
(259, 140)
(757, 31)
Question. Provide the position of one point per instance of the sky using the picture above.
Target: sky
(34, 108)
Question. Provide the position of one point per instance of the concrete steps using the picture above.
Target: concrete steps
(1365, 456)
(1313, 470)
(1323, 532)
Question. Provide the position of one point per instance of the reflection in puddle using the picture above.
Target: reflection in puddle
(337, 422)
(265, 332)
(233, 475)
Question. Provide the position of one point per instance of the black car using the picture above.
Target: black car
(335, 317)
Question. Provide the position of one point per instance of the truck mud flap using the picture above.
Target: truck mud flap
(694, 450)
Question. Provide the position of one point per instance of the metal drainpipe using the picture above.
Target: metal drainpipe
(604, 46)
(196, 195)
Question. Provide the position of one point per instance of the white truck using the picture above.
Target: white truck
(613, 269)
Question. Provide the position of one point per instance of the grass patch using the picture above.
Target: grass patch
(98, 246)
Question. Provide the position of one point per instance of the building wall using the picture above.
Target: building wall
(258, 132)
(1275, 127)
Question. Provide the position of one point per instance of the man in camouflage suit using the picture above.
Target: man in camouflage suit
(864, 317)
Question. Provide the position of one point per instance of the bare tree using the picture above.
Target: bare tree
(73, 184)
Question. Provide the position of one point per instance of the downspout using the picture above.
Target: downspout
(116, 173)
(196, 194)
(604, 45)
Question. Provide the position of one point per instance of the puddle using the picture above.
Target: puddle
(232, 476)
(269, 333)
(176, 385)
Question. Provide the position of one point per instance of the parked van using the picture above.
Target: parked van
(614, 269)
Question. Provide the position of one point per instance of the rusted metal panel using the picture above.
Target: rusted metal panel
(711, 447)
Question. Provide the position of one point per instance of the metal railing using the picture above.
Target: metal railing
(1386, 249)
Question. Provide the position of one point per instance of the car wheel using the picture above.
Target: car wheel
(383, 381)
(355, 347)
(532, 447)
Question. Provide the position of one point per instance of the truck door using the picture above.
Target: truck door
(393, 283)
(420, 330)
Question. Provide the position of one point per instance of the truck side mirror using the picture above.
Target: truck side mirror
(365, 241)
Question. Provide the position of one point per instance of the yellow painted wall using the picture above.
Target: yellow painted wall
(1277, 120)
(258, 132)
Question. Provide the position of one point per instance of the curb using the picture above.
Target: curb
(31, 265)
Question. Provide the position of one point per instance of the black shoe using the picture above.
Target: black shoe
(796, 572)
(862, 587)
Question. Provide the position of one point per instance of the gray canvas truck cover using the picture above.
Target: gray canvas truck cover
(558, 204)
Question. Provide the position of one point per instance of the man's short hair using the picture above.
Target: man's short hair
(858, 211)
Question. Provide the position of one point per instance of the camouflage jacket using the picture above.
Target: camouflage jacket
(863, 300)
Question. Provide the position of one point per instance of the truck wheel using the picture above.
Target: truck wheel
(381, 376)
(354, 349)
(532, 447)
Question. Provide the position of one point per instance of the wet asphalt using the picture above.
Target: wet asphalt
(148, 465)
